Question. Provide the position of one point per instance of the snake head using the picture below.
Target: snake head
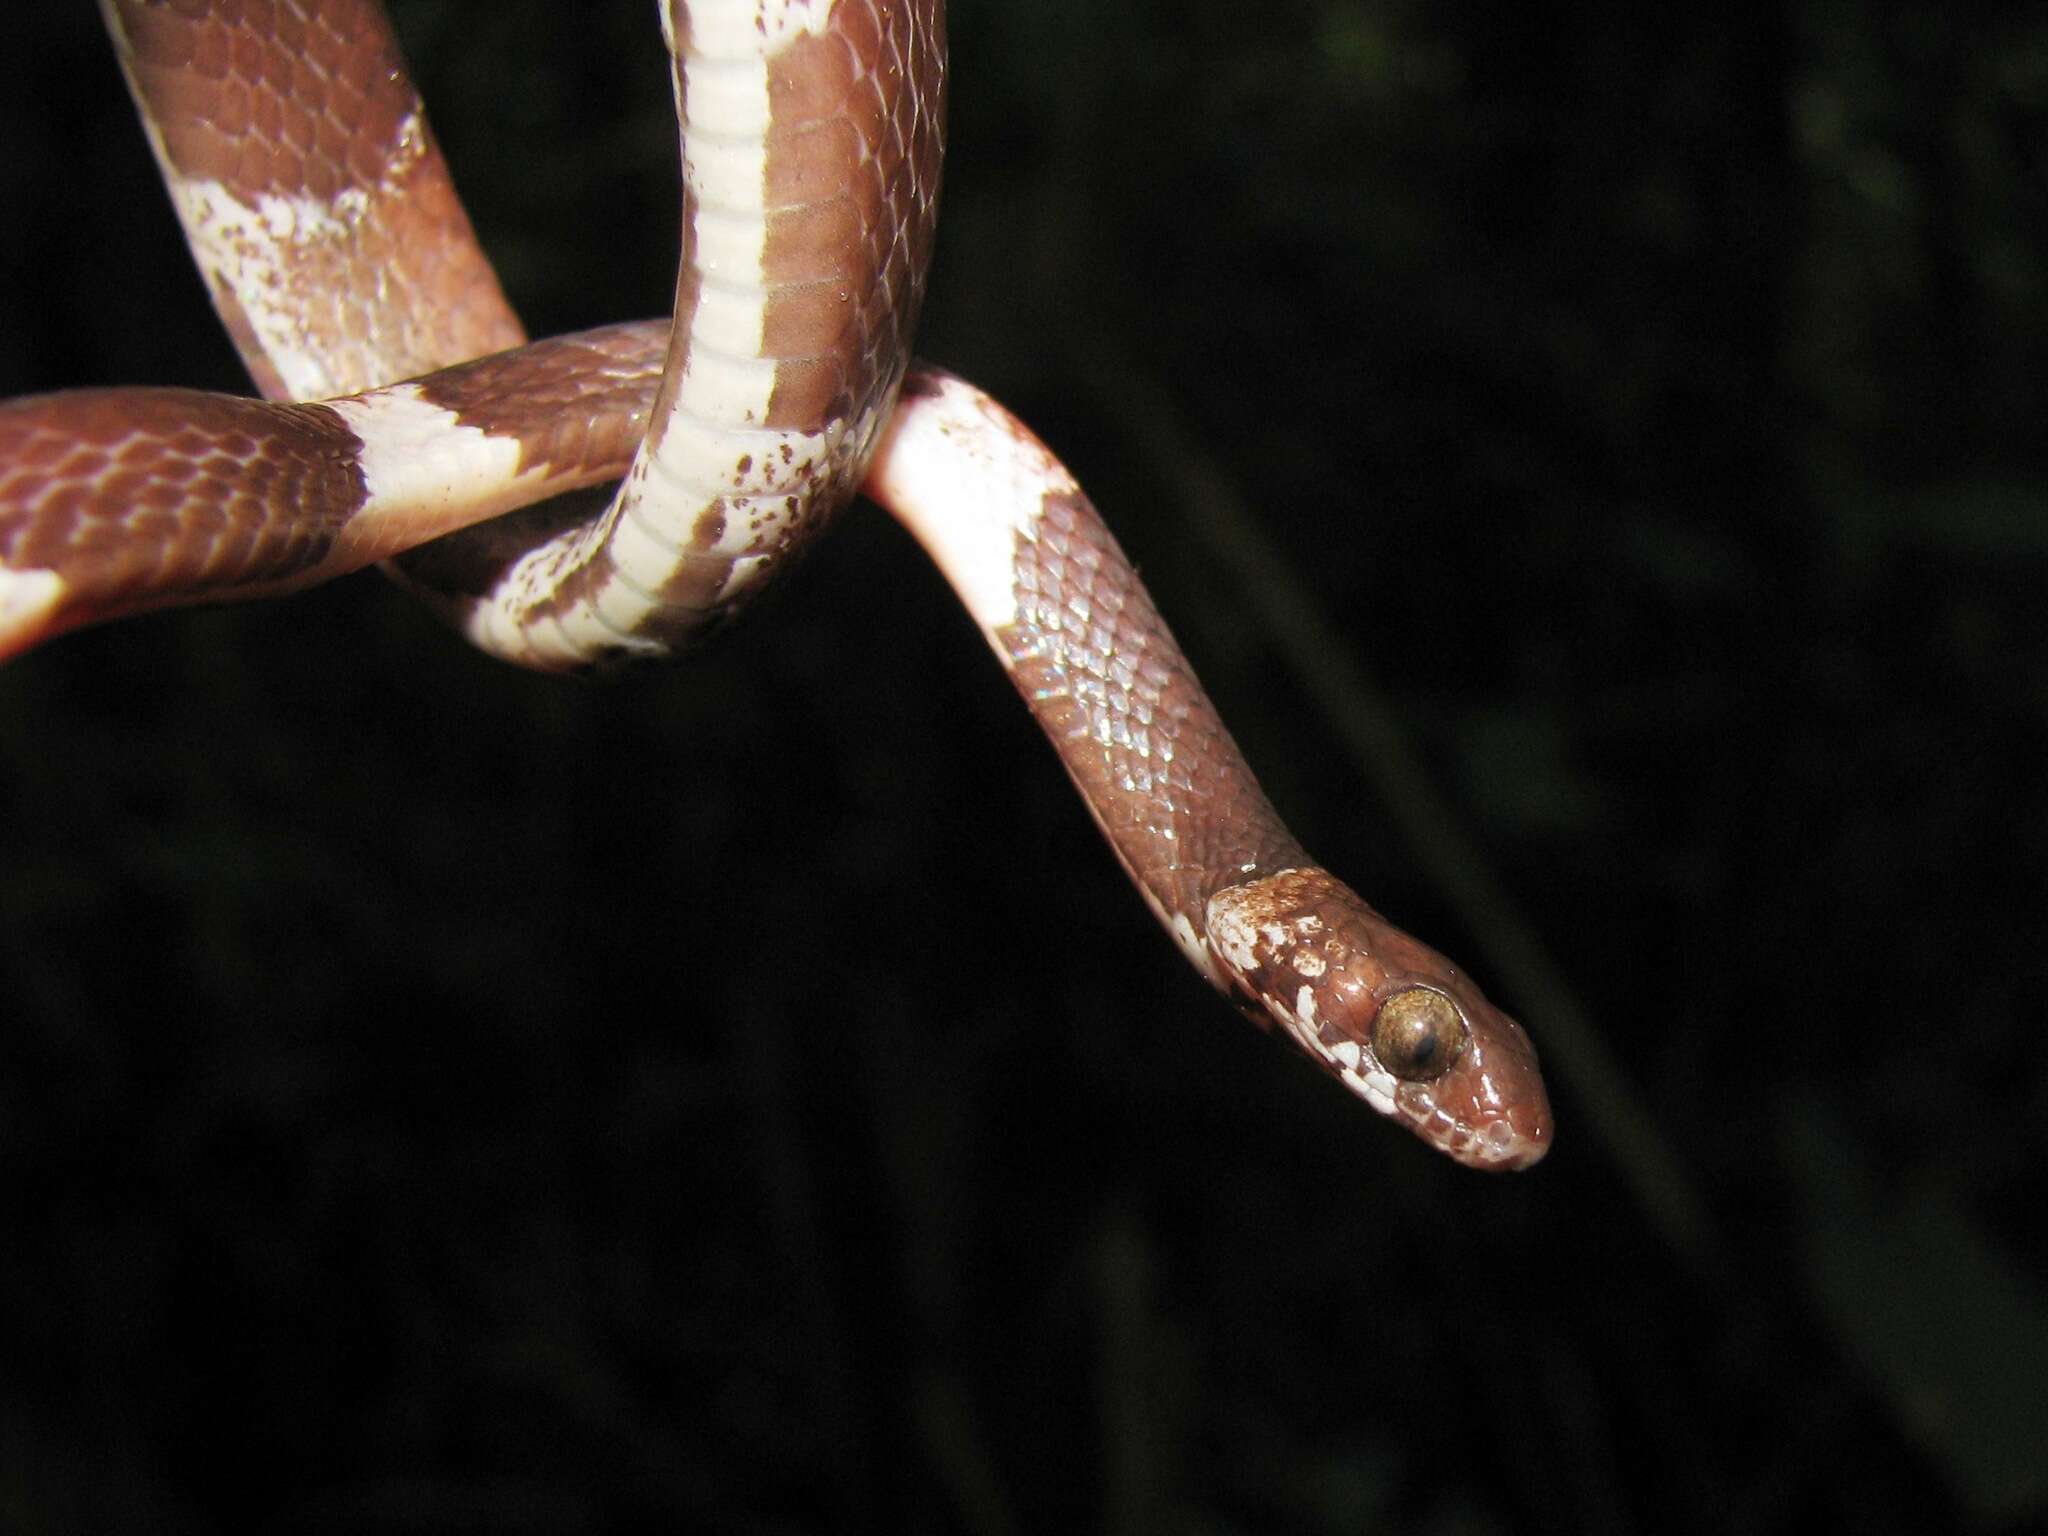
(1392, 1019)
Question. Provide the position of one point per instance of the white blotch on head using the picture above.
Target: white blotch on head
(1234, 936)
(1300, 1029)
(1375, 1087)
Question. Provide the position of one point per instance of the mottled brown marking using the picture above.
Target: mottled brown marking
(296, 99)
(693, 594)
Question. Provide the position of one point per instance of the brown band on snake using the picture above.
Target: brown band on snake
(575, 405)
(146, 498)
(850, 266)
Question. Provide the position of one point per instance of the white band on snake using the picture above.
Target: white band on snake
(322, 215)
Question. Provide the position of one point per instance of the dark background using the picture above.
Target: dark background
(745, 1096)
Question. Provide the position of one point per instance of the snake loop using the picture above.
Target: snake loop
(409, 421)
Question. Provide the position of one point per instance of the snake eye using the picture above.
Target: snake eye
(1418, 1035)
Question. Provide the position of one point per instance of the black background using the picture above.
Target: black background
(744, 1096)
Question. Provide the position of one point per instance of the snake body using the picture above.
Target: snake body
(323, 217)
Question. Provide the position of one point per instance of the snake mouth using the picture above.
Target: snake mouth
(1487, 1106)
(1483, 1115)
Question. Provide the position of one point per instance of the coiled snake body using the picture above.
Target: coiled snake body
(322, 215)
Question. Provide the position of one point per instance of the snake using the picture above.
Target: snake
(574, 502)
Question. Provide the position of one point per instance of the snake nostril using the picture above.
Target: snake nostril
(1419, 1034)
